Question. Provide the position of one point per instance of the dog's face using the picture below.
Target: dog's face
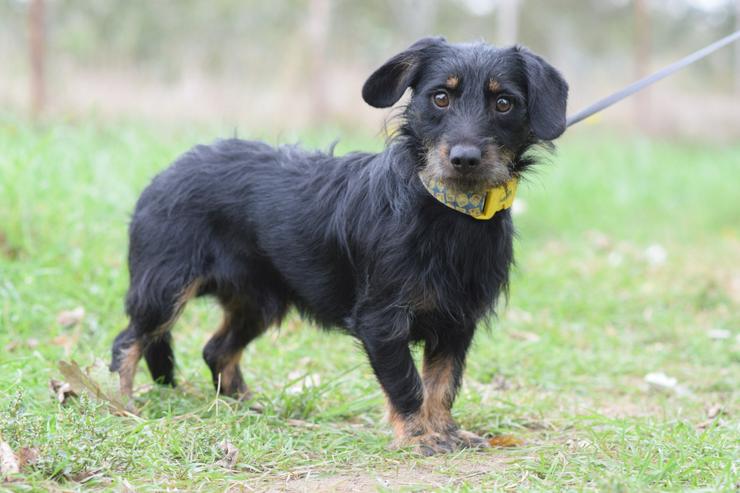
(474, 108)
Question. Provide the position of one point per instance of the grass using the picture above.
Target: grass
(627, 264)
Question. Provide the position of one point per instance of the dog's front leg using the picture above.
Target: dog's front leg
(394, 367)
(444, 362)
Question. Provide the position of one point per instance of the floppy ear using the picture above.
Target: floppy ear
(387, 84)
(547, 96)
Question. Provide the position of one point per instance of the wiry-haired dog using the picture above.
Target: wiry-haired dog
(410, 245)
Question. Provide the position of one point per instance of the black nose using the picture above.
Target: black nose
(463, 156)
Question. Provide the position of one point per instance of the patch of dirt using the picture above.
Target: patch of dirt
(430, 474)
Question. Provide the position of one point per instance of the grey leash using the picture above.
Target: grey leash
(651, 79)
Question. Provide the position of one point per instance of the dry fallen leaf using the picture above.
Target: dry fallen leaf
(6, 249)
(301, 424)
(231, 454)
(524, 336)
(62, 390)
(68, 318)
(81, 381)
(12, 346)
(27, 456)
(504, 441)
(8, 460)
(500, 382)
(85, 476)
(60, 340)
(714, 411)
(576, 444)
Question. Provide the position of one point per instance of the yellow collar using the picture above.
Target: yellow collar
(478, 204)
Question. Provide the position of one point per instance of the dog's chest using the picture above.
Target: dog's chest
(460, 266)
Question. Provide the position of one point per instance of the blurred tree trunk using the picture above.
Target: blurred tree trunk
(642, 62)
(37, 48)
(507, 28)
(319, 19)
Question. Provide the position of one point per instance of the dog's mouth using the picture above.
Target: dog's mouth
(493, 169)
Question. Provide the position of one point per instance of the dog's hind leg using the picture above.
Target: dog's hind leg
(152, 313)
(242, 323)
(157, 344)
(126, 353)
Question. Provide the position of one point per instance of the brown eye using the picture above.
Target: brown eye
(441, 99)
(503, 105)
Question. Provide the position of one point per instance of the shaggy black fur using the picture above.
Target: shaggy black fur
(354, 242)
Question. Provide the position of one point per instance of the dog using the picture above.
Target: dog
(412, 245)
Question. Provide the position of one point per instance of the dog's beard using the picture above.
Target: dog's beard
(493, 170)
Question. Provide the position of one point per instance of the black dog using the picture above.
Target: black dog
(390, 247)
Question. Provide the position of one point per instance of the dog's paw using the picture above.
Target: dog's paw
(466, 439)
(427, 444)
(237, 390)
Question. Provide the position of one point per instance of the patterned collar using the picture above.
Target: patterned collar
(481, 204)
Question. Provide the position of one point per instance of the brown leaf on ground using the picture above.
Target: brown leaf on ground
(714, 410)
(8, 460)
(66, 342)
(85, 476)
(500, 382)
(504, 441)
(69, 318)
(301, 424)
(12, 346)
(83, 382)
(62, 390)
(27, 457)
(231, 455)
(6, 249)
(524, 336)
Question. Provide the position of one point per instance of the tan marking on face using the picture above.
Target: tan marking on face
(127, 369)
(495, 165)
(496, 161)
(435, 158)
(493, 85)
(452, 82)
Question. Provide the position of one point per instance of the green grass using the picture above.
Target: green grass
(562, 369)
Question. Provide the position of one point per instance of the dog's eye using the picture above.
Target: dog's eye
(441, 99)
(503, 105)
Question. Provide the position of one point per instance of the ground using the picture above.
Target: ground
(613, 366)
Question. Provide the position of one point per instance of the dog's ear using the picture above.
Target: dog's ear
(547, 96)
(387, 84)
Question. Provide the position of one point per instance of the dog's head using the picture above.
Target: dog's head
(474, 109)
